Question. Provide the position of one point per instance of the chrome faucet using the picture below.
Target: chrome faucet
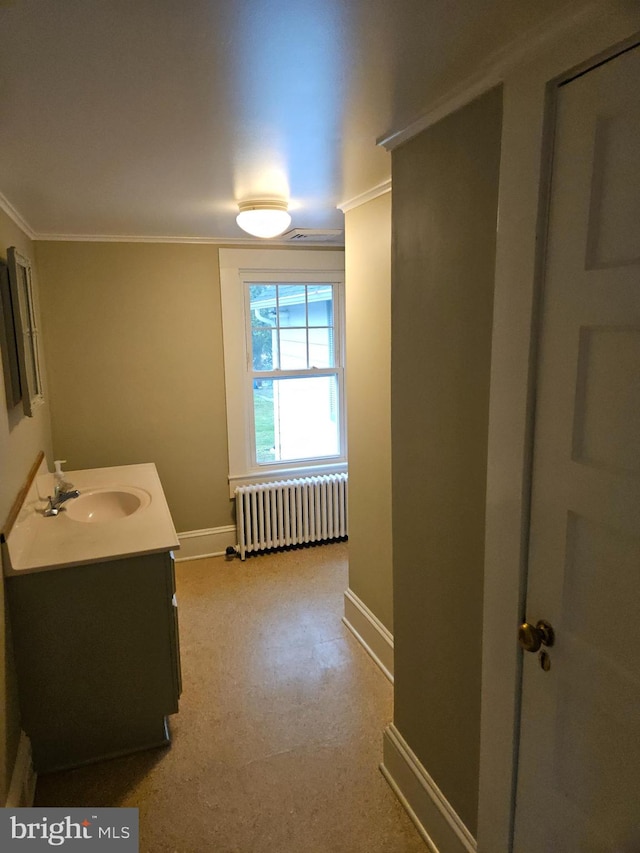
(61, 493)
(62, 490)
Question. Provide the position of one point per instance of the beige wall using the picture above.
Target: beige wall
(368, 336)
(133, 337)
(21, 439)
(445, 184)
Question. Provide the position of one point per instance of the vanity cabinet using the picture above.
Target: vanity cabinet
(97, 658)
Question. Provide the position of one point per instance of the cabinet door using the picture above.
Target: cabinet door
(97, 658)
(173, 627)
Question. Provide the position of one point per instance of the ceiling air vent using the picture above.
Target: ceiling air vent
(313, 235)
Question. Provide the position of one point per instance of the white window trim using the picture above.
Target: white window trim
(238, 266)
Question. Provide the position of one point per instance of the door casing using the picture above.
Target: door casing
(527, 137)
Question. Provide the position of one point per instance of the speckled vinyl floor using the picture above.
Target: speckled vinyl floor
(277, 744)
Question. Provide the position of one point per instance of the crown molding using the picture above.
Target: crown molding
(136, 238)
(494, 69)
(16, 218)
(363, 198)
(139, 238)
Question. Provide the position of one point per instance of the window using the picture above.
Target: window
(284, 362)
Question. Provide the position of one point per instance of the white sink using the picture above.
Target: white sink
(107, 504)
(121, 512)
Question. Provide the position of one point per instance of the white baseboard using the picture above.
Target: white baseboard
(435, 818)
(195, 544)
(22, 789)
(369, 631)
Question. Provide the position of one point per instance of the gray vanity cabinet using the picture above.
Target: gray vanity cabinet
(97, 658)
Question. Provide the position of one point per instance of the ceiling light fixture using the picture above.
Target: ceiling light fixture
(265, 218)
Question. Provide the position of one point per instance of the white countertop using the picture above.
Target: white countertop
(39, 543)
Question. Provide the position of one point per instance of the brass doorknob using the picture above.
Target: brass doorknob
(531, 637)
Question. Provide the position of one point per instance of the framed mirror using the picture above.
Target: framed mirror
(8, 343)
(26, 329)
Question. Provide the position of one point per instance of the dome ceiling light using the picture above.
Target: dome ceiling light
(264, 218)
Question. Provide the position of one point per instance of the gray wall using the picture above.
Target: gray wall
(445, 184)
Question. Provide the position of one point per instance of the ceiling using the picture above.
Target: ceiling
(153, 118)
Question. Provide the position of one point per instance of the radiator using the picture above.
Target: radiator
(291, 513)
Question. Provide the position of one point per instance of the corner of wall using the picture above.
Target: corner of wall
(369, 631)
(22, 788)
(435, 818)
(21, 439)
(369, 599)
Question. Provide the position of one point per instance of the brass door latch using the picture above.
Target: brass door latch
(532, 637)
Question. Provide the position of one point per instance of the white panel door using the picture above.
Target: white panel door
(578, 788)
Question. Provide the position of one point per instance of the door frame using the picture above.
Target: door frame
(530, 96)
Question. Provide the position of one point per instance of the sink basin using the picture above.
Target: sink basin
(107, 504)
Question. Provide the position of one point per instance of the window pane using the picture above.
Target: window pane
(292, 305)
(296, 418)
(293, 349)
(262, 300)
(321, 347)
(320, 298)
(264, 420)
(264, 339)
(264, 343)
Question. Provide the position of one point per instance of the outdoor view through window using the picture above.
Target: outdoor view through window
(295, 371)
